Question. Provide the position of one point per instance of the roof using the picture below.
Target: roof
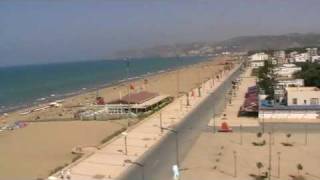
(301, 89)
(135, 98)
(284, 78)
(151, 102)
(295, 107)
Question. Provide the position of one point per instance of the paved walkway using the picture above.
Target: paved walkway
(232, 109)
(110, 161)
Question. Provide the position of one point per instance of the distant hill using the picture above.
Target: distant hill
(243, 43)
(273, 42)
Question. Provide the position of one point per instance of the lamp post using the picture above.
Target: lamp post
(177, 143)
(138, 164)
(160, 119)
(187, 99)
(306, 134)
(235, 163)
(214, 121)
(241, 138)
(279, 153)
(129, 89)
(270, 158)
(125, 134)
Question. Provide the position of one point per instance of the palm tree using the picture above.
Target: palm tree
(259, 166)
(299, 168)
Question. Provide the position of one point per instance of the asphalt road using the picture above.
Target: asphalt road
(159, 160)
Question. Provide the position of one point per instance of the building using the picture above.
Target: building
(289, 82)
(257, 60)
(282, 84)
(315, 58)
(131, 105)
(280, 56)
(302, 103)
(287, 70)
(301, 96)
(312, 51)
(302, 57)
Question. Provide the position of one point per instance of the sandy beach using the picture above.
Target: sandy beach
(52, 142)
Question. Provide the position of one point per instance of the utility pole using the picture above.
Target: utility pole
(178, 75)
(235, 163)
(241, 138)
(214, 121)
(306, 134)
(129, 90)
(270, 154)
(160, 119)
(279, 153)
(125, 134)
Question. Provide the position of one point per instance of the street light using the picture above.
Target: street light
(177, 143)
(125, 134)
(241, 138)
(235, 163)
(279, 153)
(138, 164)
(214, 121)
(306, 134)
(129, 89)
(187, 100)
(270, 153)
(160, 121)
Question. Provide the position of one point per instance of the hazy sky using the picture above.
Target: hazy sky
(67, 30)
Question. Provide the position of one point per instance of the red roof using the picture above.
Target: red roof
(135, 98)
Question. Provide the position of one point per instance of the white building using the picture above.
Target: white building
(312, 51)
(287, 70)
(280, 56)
(315, 58)
(289, 82)
(303, 103)
(302, 96)
(303, 57)
(257, 60)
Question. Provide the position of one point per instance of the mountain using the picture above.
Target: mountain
(246, 43)
(243, 43)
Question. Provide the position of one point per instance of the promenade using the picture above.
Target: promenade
(115, 157)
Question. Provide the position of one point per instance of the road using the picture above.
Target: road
(159, 160)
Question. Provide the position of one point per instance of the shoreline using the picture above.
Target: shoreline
(85, 90)
(48, 135)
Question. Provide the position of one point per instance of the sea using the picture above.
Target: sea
(23, 86)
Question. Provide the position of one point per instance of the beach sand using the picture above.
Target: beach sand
(42, 146)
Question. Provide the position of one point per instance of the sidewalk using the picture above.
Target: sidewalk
(109, 162)
(232, 109)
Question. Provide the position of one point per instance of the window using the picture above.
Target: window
(314, 101)
(294, 101)
(305, 101)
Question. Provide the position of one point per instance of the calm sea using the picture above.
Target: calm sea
(26, 85)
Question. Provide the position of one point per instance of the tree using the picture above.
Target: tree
(266, 78)
(310, 73)
(299, 168)
(259, 166)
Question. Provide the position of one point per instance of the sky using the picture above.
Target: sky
(48, 31)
